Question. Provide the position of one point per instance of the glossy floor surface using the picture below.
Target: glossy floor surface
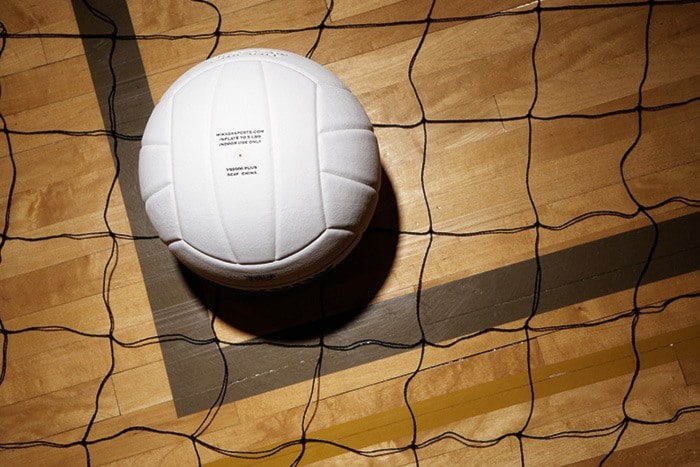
(527, 293)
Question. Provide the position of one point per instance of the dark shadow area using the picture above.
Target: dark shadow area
(327, 303)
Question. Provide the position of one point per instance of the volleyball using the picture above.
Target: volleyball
(259, 169)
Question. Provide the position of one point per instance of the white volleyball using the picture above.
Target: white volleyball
(259, 169)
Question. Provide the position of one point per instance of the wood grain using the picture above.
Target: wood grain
(488, 164)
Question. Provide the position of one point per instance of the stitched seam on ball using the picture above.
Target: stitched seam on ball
(349, 128)
(258, 59)
(335, 260)
(183, 80)
(293, 67)
(153, 188)
(273, 153)
(157, 223)
(367, 126)
(312, 78)
(348, 178)
(318, 156)
(171, 105)
(260, 263)
(203, 253)
(356, 237)
(227, 238)
(345, 174)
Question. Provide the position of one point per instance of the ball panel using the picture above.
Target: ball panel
(157, 129)
(347, 202)
(302, 65)
(338, 109)
(310, 161)
(241, 156)
(312, 70)
(328, 250)
(352, 154)
(154, 169)
(199, 209)
(161, 209)
(299, 203)
(186, 77)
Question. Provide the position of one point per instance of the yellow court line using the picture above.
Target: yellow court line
(487, 397)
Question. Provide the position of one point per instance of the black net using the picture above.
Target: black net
(535, 112)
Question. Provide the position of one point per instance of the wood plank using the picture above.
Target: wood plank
(475, 177)
(61, 48)
(680, 449)
(62, 410)
(356, 41)
(443, 264)
(30, 18)
(383, 91)
(378, 11)
(61, 201)
(272, 15)
(690, 364)
(22, 54)
(465, 184)
(180, 452)
(599, 227)
(29, 257)
(606, 307)
(444, 60)
(450, 452)
(64, 160)
(455, 406)
(175, 16)
(59, 368)
(465, 8)
(19, 15)
(652, 171)
(401, 158)
(114, 450)
(659, 392)
(44, 455)
(674, 37)
(88, 315)
(17, 291)
(571, 74)
(675, 442)
(77, 114)
(62, 80)
(141, 387)
(128, 357)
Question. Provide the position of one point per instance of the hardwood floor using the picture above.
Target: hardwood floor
(527, 293)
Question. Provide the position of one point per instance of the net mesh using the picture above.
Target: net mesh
(533, 114)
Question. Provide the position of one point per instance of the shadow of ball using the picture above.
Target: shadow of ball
(329, 302)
